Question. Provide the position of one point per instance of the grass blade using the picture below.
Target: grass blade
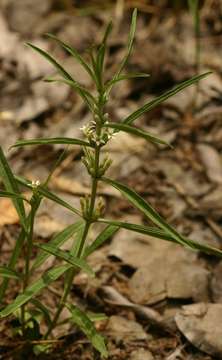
(58, 240)
(88, 328)
(34, 289)
(8, 273)
(137, 132)
(48, 141)
(109, 231)
(12, 187)
(67, 257)
(152, 104)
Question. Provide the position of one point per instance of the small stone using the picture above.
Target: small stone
(141, 354)
(124, 329)
(201, 324)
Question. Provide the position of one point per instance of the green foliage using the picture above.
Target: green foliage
(86, 325)
(97, 133)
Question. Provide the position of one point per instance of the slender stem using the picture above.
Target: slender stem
(88, 222)
(27, 262)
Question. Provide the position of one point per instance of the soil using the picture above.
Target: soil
(162, 301)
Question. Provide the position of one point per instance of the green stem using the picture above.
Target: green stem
(72, 272)
(27, 262)
(94, 179)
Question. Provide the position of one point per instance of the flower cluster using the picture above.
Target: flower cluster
(91, 135)
(98, 211)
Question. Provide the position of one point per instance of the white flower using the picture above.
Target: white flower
(35, 183)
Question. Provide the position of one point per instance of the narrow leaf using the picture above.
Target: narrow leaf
(85, 94)
(129, 44)
(48, 141)
(107, 32)
(13, 261)
(87, 326)
(97, 317)
(48, 57)
(75, 249)
(160, 234)
(12, 187)
(137, 132)
(61, 70)
(8, 273)
(136, 200)
(109, 231)
(48, 194)
(152, 104)
(110, 83)
(44, 310)
(11, 195)
(146, 230)
(74, 53)
(34, 289)
(64, 255)
(57, 241)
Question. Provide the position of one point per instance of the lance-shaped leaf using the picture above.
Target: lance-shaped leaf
(51, 59)
(85, 94)
(17, 250)
(152, 104)
(139, 203)
(48, 194)
(88, 328)
(49, 141)
(129, 44)
(12, 187)
(130, 76)
(32, 290)
(13, 261)
(57, 241)
(97, 317)
(160, 234)
(8, 273)
(137, 132)
(60, 69)
(11, 195)
(41, 190)
(109, 231)
(67, 257)
(74, 53)
(98, 66)
(44, 310)
(98, 58)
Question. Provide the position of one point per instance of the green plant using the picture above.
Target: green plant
(97, 133)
